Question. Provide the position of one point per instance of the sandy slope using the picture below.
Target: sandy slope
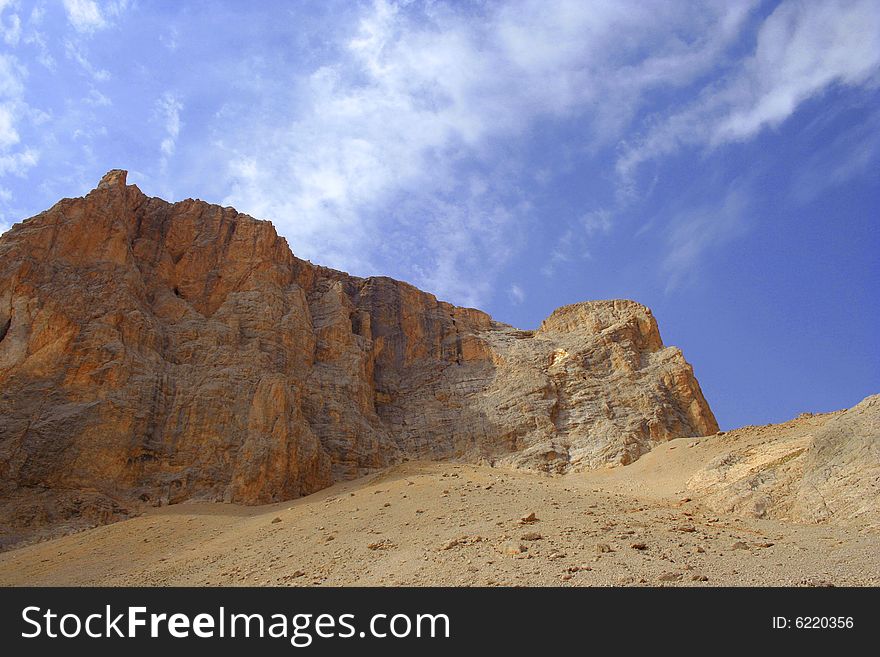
(426, 523)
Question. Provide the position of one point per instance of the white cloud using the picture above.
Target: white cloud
(169, 38)
(516, 294)
(13, 110)
(75, 53)
(85, 15)
(412, 102)
(96, 99)
(168, 109)
(33, 36)
(560, 254)
(89, 16)
(18, 163)
(575, 241)
(8, 133)
(802, 49)
(5, 197)
(597, 222)
(694, 233)
(11, 73)
(10, 23)
(852, 153)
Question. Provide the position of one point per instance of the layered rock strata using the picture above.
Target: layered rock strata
(155, 352)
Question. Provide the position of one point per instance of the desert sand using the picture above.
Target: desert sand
(452, 524)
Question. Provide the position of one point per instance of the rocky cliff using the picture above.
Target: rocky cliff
(152, 353)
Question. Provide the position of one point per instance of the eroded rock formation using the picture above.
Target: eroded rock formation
(812, 469)
(153, 353)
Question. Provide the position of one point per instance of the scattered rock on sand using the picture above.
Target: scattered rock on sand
(513, 548)
(577, 569)
(813, 581)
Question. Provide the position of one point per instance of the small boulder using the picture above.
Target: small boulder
(513, 548)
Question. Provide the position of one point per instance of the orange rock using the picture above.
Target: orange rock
(153, 352)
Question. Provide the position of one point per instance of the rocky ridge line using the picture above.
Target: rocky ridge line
(155, 352)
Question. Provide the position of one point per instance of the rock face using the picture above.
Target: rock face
(812, 469)
(152, 353)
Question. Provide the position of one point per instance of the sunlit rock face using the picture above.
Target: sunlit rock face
(153, 353)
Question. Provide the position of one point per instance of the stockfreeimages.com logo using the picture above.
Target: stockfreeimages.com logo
(299, 629)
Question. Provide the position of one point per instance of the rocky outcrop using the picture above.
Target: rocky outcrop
(813, 469)
(152, 353)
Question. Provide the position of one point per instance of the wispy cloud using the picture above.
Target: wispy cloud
(516, 294)
(75, 53)
(693, 234)
(11, 77)
(561, 253)
(90, 16)
(168, 109)
(854, 152)
(597, 222)
(85, 15)
(422, 92)
(170, 38)
(14, 158)
(577, 239)
(5, 197)
(35, 37)
(8, 133)
(408, 138)
(10, 23)
(802, 49)
(19, 162)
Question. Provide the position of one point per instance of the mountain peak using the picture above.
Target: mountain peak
(215, 365)
(113, 179)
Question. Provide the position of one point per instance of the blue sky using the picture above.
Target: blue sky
(715, 161)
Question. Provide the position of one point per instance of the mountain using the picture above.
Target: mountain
(153, 353)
